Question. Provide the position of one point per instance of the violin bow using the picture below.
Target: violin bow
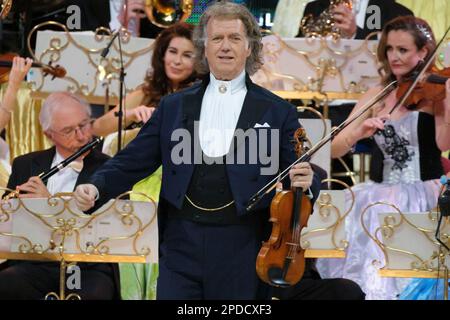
(419, 75)
(308, 154)
(380, 96)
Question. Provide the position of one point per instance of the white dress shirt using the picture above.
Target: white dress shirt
(221, 107)
(64, 180)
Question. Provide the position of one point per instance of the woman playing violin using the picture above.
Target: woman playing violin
(405, 165)
(20, 68)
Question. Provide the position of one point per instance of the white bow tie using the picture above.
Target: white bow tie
(77, 166)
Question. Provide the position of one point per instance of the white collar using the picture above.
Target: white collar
(76, 165)
(235, 85)
(57, 158)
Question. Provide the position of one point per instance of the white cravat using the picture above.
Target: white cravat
(64, 180)
(221, 107)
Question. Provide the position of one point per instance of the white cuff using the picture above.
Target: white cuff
(309, 193)
(97, 193)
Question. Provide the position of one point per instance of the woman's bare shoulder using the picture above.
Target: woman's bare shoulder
(134, 98)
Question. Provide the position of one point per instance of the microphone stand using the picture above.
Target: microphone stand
(122, 74)
(444, 208)
(120, 113)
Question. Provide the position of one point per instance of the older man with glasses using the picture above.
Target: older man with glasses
(66, 121)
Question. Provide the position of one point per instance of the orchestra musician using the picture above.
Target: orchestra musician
(66, 121)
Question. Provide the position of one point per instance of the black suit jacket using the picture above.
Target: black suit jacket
(96, 13)
(389, 10)
(178, 112)
(34, 163)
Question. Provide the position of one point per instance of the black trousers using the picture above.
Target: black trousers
(209, 261)
(312, 287)
(31, 280)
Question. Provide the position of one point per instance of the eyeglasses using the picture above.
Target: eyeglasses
(71, 132)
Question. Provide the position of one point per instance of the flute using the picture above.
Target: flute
(46, 175)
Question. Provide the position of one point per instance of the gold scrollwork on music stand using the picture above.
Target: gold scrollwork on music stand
(419, 267)
(109, 67)
(323, 67)
(327, 210)
(320, 116)
(65, 223)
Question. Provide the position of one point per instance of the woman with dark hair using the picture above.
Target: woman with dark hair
(405, 165)
(172, 70)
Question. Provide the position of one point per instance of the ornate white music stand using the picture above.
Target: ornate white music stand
(408, 243)
(87, 72)
(54, 229)
(302, 68)
(324, 236)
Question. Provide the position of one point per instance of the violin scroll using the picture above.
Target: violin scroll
(56, 71)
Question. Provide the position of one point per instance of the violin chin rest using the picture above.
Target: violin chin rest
(276, 278)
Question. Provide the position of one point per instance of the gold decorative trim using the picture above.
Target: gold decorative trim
(388, 228)
(311, 95)
(399, 273)
(326, 210)
(209, 209)
(323, 68)
(321, 117)
(347, 173)
(57, 45)
(72, 257)
(60, 228)
(310, 253)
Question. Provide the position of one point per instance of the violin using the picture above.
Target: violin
(430, 88)
(281, 259)
(6, 62)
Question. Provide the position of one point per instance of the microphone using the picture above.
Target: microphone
(444, 208)
(106, 50)
(444, 198)
(444, 180)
